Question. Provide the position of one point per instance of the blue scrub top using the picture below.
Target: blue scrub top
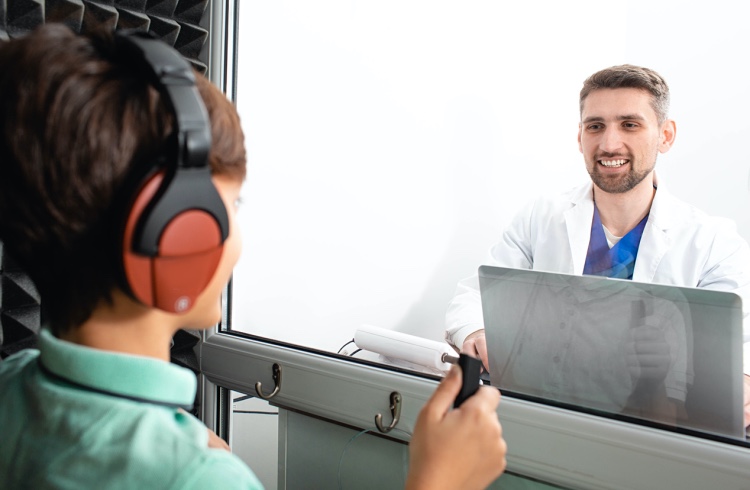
(618, 261)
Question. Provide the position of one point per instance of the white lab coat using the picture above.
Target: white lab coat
(681, 246)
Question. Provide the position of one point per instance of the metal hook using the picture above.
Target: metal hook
(395, 413)
(277, 381)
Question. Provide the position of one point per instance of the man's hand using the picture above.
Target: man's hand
(460, 448)
(476, 345)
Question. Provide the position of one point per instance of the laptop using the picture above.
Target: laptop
(665, 354)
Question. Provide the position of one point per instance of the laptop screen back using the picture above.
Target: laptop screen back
(660, 353)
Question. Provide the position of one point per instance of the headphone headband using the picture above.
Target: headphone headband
(173, 76)
(183, 185)
(176, 224)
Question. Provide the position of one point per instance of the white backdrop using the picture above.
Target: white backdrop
(390, 141)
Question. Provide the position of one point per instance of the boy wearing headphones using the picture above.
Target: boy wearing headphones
(87, 150)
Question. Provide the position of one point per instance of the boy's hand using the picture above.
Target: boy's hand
(461, 448)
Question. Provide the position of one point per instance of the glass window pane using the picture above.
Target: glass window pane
(390, 143)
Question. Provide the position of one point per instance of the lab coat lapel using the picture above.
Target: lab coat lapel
(655, 241)
(578, 223)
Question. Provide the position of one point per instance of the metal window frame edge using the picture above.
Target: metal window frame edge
(331, 388)
(554, 445)
(222, 61)
(222, 55)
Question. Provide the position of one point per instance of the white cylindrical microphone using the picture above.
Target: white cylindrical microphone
(399, 345)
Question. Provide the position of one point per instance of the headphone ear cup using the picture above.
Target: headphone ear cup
(190, 248)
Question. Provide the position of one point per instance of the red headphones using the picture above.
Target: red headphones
(176, 224)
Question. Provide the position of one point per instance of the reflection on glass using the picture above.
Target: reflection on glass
(660, 353)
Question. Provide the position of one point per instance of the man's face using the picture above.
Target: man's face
(620, 137)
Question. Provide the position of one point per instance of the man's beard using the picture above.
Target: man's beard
(618, 184)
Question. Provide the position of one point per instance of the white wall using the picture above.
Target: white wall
(390, 141)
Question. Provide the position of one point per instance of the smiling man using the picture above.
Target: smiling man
(623, 223)
(621, 133)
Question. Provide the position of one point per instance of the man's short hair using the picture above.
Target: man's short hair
(631, 76)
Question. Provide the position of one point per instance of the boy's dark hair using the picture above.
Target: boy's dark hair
(74, 121)
(631, 76)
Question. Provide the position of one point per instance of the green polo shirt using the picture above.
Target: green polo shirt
(72, 417)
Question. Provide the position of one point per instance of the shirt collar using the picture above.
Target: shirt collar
(124, 375)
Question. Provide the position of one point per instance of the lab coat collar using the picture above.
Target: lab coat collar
(665, 212)
(577, 220)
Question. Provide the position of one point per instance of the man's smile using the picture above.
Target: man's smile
(613, 163)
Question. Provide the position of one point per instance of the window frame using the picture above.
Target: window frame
(551, 444)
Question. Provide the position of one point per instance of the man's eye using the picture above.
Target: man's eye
(594, 127)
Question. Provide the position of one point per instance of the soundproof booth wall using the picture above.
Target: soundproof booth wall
(183, 24)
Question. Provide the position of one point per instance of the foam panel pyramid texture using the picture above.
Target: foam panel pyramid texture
(19, 308)
(182, 24)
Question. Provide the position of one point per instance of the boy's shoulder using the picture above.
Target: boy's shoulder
(16, 363)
